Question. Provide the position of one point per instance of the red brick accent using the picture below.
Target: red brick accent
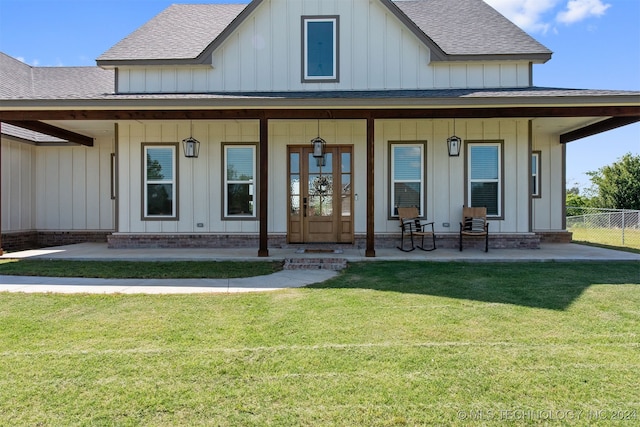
(451, 241)
(23, 240)
(555, 236)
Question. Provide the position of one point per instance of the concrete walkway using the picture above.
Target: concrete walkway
(280, 280)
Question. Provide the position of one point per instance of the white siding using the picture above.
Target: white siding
(200, 180)
(56, 187)
(17, 186)
(547, 210)
(445, 175)
(377, 52)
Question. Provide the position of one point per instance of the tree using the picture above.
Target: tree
(618, 185)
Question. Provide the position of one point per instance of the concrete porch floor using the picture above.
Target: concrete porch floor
(547, 252)
(280, 280)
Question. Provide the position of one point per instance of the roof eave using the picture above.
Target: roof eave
(537, 58)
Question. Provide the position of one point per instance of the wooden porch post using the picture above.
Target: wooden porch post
(370, 251)
(263, 251)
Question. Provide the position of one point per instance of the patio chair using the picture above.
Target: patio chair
(411, 226)
(474, 224)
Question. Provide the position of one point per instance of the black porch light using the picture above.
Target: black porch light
(454, 143)
(191, 147)
(453, 146)
(318, 147)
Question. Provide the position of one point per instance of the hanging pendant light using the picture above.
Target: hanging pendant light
(191, 146)
(454, 143)
(318, 145)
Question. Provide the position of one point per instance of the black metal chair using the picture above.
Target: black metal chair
(411, 226)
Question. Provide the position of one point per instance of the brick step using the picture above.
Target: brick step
(335, 264)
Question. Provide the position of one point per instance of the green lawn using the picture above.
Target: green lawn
(138, 270)
(382, 344)
(607, 236)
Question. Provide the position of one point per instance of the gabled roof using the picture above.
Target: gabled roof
(452, 30)
(464, 29)
(21, 81)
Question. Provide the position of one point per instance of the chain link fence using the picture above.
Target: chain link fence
(613, 227)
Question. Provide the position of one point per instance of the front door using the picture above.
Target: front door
(319, 196)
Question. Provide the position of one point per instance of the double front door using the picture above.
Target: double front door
(320, 195)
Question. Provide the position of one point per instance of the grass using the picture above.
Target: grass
(139, 270)
(382, 344)
(608, 237)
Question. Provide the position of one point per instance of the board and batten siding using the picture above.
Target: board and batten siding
(200, 191)
(377, 52)
(445, 176)
(57, 188)
(547, 210)
(18, 197)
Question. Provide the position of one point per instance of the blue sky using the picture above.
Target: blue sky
(596, 45)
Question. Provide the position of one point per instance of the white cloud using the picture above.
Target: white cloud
(536, 15)
(527, 14)
(578, 10)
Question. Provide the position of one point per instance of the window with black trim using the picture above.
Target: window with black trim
(320, 47)
(484, 174)
(535, 174)
(407, 176)
(159, 181)
(239, 181)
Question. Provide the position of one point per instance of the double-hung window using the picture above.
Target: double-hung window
(320, 46)
(239, 181)
(484, 172)
(407, 173)
(159, 177)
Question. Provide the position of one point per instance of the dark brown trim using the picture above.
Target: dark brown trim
(467, 158)
(537, 153)
(390, 181)
(116, 207)
(19, 116)
(303, 45)
(263, 148)
(370, 251)
(596, 128)
(224, 216)
(50, 130)
(143, 182)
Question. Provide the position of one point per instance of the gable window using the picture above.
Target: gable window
(407, 172)
(239, 181)
(535, 174)
(320, 49)
(159, 177)
(484, 174)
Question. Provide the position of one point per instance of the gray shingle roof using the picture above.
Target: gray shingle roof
(28, 135)
(469, 27)
(458, 28)
(21, 81)
(182, 31)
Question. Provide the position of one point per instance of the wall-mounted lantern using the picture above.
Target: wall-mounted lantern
(191, 147)
(453, 146)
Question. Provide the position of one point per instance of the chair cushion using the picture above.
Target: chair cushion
(474, 225)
